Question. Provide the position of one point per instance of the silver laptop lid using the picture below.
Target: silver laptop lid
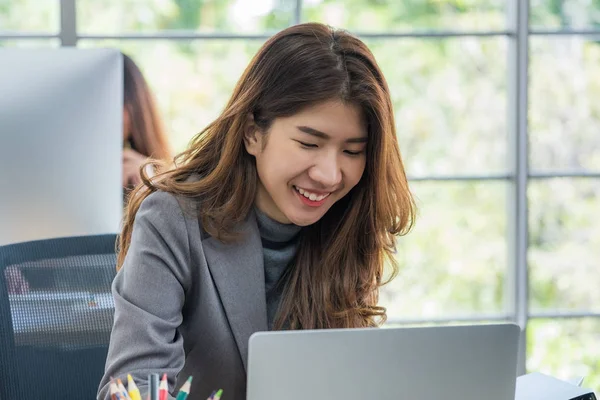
(429, 363)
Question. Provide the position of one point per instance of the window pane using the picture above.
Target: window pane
(111, 17)
(30, 15)
(450, 102)
(565, 14)
(30, 43)
(407, 15)
(564, 249)
(565, 349)
(192, 80)
(564, 109)
(454, 262)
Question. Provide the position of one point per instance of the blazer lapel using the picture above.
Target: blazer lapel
(238, 271)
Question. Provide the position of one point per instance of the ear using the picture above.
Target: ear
(252, 137)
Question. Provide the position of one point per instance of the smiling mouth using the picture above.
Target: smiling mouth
(311, 196)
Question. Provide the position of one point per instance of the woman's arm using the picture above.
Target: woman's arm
(149, 293)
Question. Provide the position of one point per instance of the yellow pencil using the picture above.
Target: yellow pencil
(133, 390)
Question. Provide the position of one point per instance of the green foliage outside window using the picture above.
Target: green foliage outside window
(450, 98)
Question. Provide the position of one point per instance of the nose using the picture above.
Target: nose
(327, 171)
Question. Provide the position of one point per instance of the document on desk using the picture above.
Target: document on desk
(577, 381)
(537, 386)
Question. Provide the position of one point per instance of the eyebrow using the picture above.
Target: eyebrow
(323, 135)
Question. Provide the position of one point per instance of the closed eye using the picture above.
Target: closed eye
(307, 145)
(353, 153)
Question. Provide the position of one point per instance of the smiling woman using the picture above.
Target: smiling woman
(281, 214)
(302, 170)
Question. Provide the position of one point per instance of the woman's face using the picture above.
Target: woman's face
(308, 161)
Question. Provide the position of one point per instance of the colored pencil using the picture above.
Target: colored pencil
(218, 395)
(163, 389)
(114, 391)
(153, 386)
(134, 392)
(185, 389)
(122, 390)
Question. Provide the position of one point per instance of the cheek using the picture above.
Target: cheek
(287, 165)
(277, 168)
(354, 172)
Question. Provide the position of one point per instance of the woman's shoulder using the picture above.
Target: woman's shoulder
(165, 201)
(171, 209)
(170, 212)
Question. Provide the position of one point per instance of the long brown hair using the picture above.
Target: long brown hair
(334, 279)
(147, 132)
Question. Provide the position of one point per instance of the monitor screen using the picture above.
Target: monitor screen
(61, 122)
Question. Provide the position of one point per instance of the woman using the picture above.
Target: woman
(280, 215)
(143, 132)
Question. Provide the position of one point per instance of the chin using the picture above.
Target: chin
(303, 220)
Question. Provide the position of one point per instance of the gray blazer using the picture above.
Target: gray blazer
(186, 303)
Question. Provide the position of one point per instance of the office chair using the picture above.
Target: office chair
(56, 314)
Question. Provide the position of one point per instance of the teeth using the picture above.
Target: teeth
(311, 196)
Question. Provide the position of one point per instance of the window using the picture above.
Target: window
(498, 114)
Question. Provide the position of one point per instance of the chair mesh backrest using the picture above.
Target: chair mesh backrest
(56, 314)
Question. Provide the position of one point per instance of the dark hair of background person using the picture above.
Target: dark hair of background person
(146, 131)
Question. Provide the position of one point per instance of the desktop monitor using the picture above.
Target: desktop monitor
(61, 113)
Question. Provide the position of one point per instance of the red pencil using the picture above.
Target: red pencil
(163, 389)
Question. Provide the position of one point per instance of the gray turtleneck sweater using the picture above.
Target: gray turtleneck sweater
(279, 242)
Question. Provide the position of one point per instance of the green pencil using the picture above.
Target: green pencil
(218, 395)
(185, 389)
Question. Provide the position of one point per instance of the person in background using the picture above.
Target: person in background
(280, 215)
(144, 135)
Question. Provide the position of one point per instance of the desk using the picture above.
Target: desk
(62, 319)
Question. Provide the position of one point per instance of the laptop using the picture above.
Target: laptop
(444, 362)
